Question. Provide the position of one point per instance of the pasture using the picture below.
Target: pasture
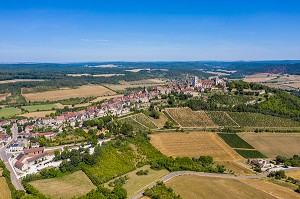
(67, 186)
(194, 144)
(213, 187)
(273, 144)
(67, 93)
(185, 117)
(4, 189)
(9, 112)
(40, 107)
(137, 183)
(258, 120)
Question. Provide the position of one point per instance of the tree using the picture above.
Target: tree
(169, 125)
(120, 192)
(57, 155)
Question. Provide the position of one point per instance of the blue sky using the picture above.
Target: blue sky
(153, 30)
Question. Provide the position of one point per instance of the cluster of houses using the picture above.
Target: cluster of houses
(30, 157)
(209, 84)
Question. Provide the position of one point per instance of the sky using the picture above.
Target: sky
(152, 30)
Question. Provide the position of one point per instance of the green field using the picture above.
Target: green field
(137, 183)
(9, 112)
(247, 119)
(221, 118)
(250, 153)
(144, 120)
(235, 141)
(41, 107)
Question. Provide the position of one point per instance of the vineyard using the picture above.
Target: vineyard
(260, 120)
(221, 118)
(139, 122)
(185, 117)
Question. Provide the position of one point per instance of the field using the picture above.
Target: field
(211, 187)
(185, 117)
(68, 186)
(221, 118)
(137, 183)
(235, 141)
(261, 120)
(193, 144)
(98, 99)
(250, 153)
(20, 80)
(4, 190)
(4, 96)
(273, 144)
(41, 107)
(134, 84)
(294, 174)
(139, 122)
(9, 112)
(161, 121)
(37, 114)
(260, 77)
(97, 75)
(67, 93)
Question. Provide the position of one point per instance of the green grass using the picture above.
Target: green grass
(235, 141)
(9, 112)
(250, 153)
(41, 107)
(137, 183)
(246, 119)
(220, 118)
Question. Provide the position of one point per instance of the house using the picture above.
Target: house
(4, 138)
(19, 165)
(35, 145)
(34, 151)
(47, 135)
(37, 158)
(15, 147)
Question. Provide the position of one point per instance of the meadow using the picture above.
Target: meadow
(185, 117)
(40, 107)
(194, 144)
(212, 187)
(67, 186)
(67, 93)
(9, 112)
(273, 144)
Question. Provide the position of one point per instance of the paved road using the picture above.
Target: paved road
(5, 157)
(180, 173)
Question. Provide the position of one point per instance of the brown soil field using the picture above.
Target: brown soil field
(134, 84)
(194, 144)
(68, 186)
(215, 188)
(260, 77)
(4, 190)
(185, 117)
(273, 144)
(37, 114)
(61, 94)
(98, 99)
(294, 174)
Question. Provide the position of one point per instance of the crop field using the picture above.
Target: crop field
(9, 112)
(212, 187)
(41, 107)
(221, 118)
(235, 141)
(250, 153)
(139, 122)
(68, 186)
(194, 144)
(134, 84)
(294, 174)
(37, 114)
(260, 120)
(273, 144)
(137, 183)
(185, 117)
(98, 99)
(4, 189)
(67, 93)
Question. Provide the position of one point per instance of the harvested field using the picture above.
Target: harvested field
(260, 77)
(98, 99)
(294, 174)
(137, 183)
(134, 84)
(273, 144)
(9, 112)
(97, 75)
(4, 189)
(254, 120)
(37, 114)
(193, 144)
(20, 80)
(68, 186)
(212, 187)
(185, 117)
(61, 94)
(238, 167)
(221, 118)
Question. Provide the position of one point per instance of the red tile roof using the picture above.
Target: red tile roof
(32, 150)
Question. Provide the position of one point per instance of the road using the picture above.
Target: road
(218, 175)
(5, 157)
